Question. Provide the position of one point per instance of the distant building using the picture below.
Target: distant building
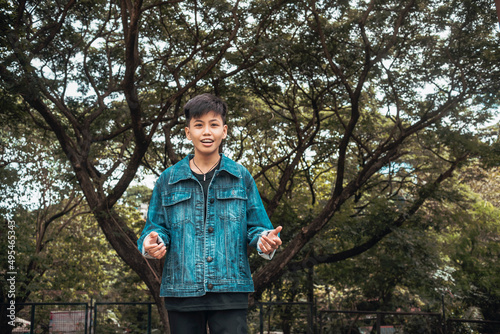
(383, 330)
(143, 209)
(68, 321)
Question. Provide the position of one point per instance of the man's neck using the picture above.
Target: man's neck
(204, 163)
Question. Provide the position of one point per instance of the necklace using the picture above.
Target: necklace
(205, 174)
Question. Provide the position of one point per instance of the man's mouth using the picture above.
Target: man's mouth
(207, 141)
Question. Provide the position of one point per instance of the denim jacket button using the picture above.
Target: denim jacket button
(210, 229)
(209, 259)
(210, 286)
(212, 201)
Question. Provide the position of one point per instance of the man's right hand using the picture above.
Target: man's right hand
(153, 248)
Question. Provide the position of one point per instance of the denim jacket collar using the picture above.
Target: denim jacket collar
(181, 170)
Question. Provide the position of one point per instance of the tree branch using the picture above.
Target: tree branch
(424, 193)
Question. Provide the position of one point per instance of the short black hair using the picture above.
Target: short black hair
(203, 104)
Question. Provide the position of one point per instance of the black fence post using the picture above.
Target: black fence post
(310, 299)
(261, 318)
(32, 329)
(149, 318)
(95, 318)
(310, 319)
(86, 317)
(320, 322)
(444, 315)
(90, 324)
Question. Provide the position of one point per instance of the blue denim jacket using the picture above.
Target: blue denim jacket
(206, 256)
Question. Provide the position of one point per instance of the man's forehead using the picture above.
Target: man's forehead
(209, 116)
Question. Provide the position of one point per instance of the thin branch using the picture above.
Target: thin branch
(54, 29)
(159, 4)
(424, 193)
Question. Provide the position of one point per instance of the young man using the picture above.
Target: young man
(203, 212)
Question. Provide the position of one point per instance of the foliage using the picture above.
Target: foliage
(61, 254)
(449, 250)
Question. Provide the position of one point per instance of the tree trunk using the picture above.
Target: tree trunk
(124, 242)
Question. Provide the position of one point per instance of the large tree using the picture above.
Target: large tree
(104, 77)
(337, 98)
(376, 101)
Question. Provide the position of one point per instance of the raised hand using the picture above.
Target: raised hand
(270, 242)
(152, 247)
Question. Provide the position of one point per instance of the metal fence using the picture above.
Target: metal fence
(129, 317)
(87, 318)
(52, 318)
(265, 318)
(333, 321)
(306, 318)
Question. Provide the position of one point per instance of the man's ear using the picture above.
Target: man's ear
(188, 134)
(225, 132)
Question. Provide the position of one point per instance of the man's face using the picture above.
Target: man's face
(206, 133)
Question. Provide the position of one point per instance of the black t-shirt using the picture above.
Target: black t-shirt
(212, 300)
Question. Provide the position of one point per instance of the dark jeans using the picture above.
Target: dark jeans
(219, 322)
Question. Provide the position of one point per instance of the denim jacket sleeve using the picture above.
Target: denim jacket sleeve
(155, 220)
(257, 219)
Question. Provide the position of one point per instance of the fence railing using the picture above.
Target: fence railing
(310, 307)
(145, 329)
(141, 317)
(320, 321)
(377, 324)
(85, 318)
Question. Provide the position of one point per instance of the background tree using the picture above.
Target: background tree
(37, 193)
(61, 254)
(380, 101)
(131, 63)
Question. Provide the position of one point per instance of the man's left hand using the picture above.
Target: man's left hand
(271, 242)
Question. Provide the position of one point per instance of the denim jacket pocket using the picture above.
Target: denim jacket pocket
(177, 205)
(231, 202)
